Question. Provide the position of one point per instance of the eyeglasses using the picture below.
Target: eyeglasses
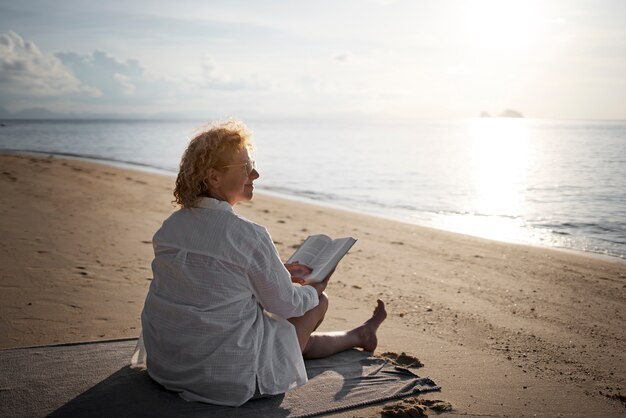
(250, 165)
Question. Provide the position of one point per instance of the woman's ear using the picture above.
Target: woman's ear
(213, 178)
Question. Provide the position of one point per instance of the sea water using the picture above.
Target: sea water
(547, 182)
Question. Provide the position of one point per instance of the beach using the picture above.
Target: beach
(505, 329)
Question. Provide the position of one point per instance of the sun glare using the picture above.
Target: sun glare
(500, 158)
(500, 25)
(499, 154)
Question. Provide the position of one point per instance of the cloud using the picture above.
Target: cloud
(214, 79)
(76, 82)
(99, 81)
(25, 70)
(126, 81)
(127, 86)
(114, 77)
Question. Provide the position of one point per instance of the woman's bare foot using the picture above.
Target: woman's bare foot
(367, 331)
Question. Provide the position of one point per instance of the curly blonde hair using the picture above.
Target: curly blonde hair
(212, 147)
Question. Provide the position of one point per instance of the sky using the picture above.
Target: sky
(561, 59)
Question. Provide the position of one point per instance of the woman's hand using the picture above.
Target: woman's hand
(298, 272)
(320, 286)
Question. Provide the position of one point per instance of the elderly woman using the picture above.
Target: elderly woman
(224, 320)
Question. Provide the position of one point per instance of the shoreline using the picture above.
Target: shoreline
(504, 329)
(146, 168)
(328, 205)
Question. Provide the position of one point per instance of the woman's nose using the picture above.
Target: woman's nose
(254, 174)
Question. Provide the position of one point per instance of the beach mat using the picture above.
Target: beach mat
(94, 380)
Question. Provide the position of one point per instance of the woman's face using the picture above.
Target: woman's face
(234, 183)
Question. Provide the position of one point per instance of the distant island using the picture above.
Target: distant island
(508, 113)
(42, 113)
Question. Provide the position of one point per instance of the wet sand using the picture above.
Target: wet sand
(504, 329)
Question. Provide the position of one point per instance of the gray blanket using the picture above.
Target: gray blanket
(94, 380)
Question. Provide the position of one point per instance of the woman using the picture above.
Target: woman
(224, 321)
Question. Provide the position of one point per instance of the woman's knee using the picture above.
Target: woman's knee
(323, 305)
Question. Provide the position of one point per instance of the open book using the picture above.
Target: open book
(321, 254)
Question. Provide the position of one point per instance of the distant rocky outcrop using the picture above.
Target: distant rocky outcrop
(44, 113)
(32, 113)
(35, 113)
(508, 113)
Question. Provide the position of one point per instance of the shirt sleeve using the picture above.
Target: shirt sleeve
(271, 283)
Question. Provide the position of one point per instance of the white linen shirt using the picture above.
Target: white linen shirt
(213, 321)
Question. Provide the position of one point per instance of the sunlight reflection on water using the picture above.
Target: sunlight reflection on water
(499, 153)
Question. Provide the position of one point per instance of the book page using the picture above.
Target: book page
(309, 250)
(330, 257)
(329, 252)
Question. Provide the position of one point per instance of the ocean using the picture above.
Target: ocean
(544, 182)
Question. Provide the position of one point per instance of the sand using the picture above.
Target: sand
(505, 329)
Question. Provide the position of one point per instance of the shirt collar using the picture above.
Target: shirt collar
(210, 203)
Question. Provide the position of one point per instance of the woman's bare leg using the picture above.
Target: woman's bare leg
(323, 344)
(307, 323)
